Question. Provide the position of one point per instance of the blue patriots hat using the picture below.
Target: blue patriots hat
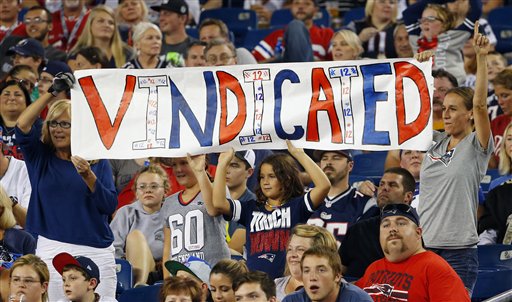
(400, 209)
(28, 48)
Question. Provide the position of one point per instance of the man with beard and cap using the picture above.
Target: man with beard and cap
(409, 272)
(360, 247)
(344, 205)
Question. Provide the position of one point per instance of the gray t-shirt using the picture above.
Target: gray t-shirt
(449, 191)
(134, 217)
(193, 231)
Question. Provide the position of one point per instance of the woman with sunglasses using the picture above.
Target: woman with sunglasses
(434, 27)
(14, 98)
(72, 199)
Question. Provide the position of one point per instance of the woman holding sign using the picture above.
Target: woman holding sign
(72, 199)
(452, 170)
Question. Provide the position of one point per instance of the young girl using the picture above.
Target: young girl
(280, 205)
(221, 279)
(180, 289)
(192, 227)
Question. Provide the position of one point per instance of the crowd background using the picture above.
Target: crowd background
(250, 206)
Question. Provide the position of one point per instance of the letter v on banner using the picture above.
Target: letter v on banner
(106, 129)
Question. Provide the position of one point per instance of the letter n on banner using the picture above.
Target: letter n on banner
(106, 129)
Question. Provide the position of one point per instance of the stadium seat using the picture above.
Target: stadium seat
(124, 275)
(369, 164)
(238, 20)
(141, 294)
(491, 175)
(193, 32)
(281, 17)
(499, 19)
(352, 15)
(494, 271)
(254, 36)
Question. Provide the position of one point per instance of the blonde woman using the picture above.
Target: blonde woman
(128, 14)
(346, 45)
(376, 30)
(302, 238)
(101, 31)
(72, 199)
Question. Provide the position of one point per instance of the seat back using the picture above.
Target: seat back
(499, 19)
(369, 164)
(124, 275)
(141, 294)
(254, 36)
(352, 15)
(238, 20)
(494, 271)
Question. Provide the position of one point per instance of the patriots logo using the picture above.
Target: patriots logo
(445, 159)
(325, 216)
(388, 291)
(268, 256)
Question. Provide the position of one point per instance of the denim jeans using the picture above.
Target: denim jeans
(464, 262)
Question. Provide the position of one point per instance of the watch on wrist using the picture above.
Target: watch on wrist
(14, 200)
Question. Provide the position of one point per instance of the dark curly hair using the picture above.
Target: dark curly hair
(286, 171)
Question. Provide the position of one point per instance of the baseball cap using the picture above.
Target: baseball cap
(27, 47)
(400, 209)
(54, 67)
(197, 267)
(83, 262)
(317, 154)
(177, 6)
(247, 156)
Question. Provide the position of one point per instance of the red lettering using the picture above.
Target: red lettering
(106, 129)
(320, 81)
(227, 132)
(407, 131)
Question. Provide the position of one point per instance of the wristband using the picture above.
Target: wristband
(14, 201)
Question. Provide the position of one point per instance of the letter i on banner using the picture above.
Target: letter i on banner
(344, 74)
(151, 142)
(256, 77)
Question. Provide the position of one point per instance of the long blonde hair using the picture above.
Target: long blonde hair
(87, 39)
(7, 219)
(505, 165)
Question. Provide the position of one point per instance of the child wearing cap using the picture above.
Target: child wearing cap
(80, 277)
(194, 268)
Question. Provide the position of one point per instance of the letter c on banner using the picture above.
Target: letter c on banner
(283, 75)
(407, 131)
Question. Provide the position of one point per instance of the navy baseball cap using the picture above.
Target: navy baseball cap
(400, 209)
(82, 262)
(317, 154)
(177, 6)
(28, 48)
(54, 67)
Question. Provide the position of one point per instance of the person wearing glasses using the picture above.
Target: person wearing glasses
(137, 228)
(29, 277)
(72, 199)
(408, 272)
(220, 53)
(360, 247)
(432, 26)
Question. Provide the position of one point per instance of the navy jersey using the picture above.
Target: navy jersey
(338, 213)
(267, 232)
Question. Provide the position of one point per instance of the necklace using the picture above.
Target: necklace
(272, 206)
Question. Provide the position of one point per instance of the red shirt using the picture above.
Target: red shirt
(422, 277)
(498, 126)
(320, 40)
(58, 39)
(18, 30)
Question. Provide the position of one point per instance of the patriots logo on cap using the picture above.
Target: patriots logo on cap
(23, 42)
(268, 256)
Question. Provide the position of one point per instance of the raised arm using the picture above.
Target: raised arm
(61, 82)
(219, 185)
(322, 184)
(198, 165)
(480, 115)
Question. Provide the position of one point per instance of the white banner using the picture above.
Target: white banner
(366, 104)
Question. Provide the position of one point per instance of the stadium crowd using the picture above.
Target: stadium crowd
(255, 225)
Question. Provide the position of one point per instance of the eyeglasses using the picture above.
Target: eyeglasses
(63, 124)
(392, 208)
(152, 187)
(429, 19)
(224, 58)
(36, 20)
(24, 281)
(25, 83)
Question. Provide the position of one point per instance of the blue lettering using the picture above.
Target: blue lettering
(283, 75)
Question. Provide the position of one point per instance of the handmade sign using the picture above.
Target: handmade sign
(366, 104)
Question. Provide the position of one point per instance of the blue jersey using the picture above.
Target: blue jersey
(338, 213)
(267, 232)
